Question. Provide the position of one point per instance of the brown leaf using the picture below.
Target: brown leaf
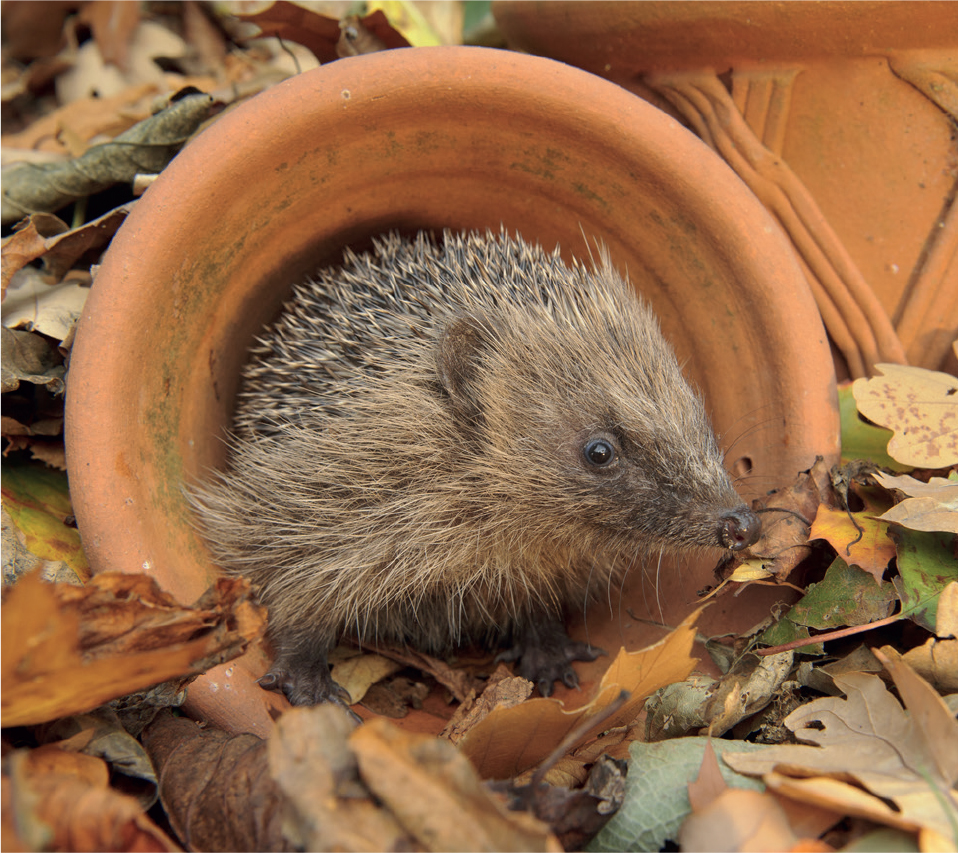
(910, 759)
(457, 681)
(294, 23)
(866, 545)
(69, 794)
(68, 649)
(503, 690)
(112, 23)
(740, 820)
(215, 787)
(510, 740)
(709, 784)
(327, 806)
(32, 30)
(84, 119)
(26, 244)
(357, 673)
(29, 357)
(100, 735)
(929, 506)
(436, 796)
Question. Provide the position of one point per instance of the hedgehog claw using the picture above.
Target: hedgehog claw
(307, 685)
(543, 654)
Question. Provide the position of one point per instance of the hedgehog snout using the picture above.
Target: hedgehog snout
(739, 528)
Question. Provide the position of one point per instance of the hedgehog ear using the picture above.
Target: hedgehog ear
(460, 345)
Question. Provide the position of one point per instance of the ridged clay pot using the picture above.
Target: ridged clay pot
(839, 116)
(459, 138)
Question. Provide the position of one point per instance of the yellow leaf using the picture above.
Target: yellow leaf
(512, 739)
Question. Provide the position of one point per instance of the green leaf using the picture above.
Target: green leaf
(847, 595)
(863, 440)
(37, 499)
(926, 565)
(656, 791)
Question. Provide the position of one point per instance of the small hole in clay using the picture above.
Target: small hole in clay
(742, 467)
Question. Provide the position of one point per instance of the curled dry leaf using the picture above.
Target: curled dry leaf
(920, 406)
(327, 807)
(437, 797)
(68, 649)
(215, 787)
(27, 243)
(65, 798)
(146, 147)
(319, 33)
(931, 506)
(510, 740)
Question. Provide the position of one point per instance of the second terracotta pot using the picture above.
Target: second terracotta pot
(434, 138)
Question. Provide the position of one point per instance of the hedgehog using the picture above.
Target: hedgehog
(441, 443)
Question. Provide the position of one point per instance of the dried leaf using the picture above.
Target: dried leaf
(510, 740)
(911, 759)
(436, 796)
(920, 406)
(739, 820)
(861, 439)
(145, 147)
(504, 690)
(35, 306)
(26, 244)
(69, 793)
(327, 807)
(318, 33)
(113, 23)
(85, 119)
(68, 649)
(356, 674)
(215, 787)
(28, 357)
(18, 559)
(930, 506)
(100, 735)
(784, 541)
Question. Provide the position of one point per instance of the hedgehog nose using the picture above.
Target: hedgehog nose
(739, 528)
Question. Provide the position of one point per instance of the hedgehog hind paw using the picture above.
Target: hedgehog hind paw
(544, 654)
(307, 685)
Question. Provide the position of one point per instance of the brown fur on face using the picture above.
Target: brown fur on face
(439, 443)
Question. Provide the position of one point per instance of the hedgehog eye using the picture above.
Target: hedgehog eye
(599, 452)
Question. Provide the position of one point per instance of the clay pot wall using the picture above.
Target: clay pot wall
(422, 138)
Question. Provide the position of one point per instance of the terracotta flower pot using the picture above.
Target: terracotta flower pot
(408, 139)
(840, 118)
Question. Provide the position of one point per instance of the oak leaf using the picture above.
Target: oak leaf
(920, 406)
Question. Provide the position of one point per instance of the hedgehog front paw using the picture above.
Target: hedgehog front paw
(543, 653)
(306, 684)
